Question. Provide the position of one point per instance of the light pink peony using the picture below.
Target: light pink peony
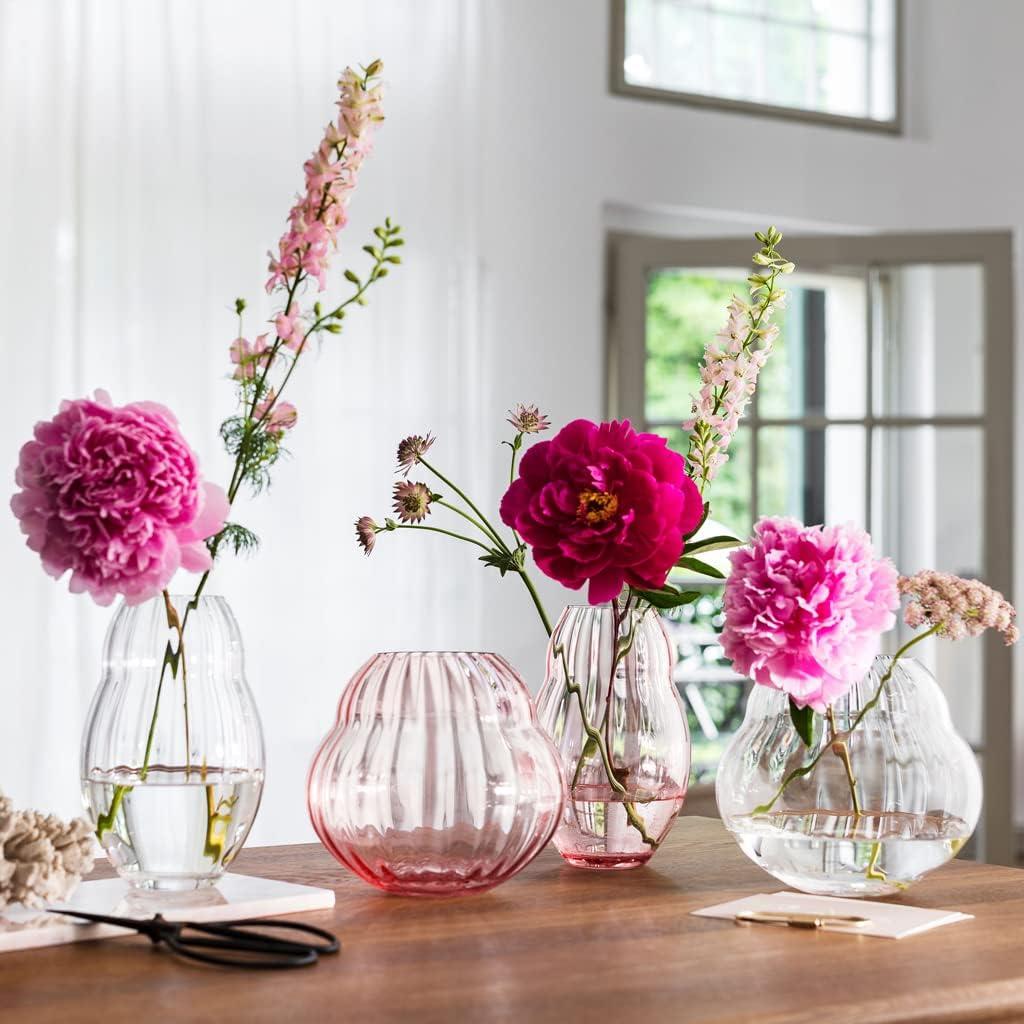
(114, 494)
(804, 608)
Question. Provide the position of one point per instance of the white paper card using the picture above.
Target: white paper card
(234, 896)
(885, 920)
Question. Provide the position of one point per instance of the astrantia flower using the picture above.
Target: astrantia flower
(366, 533)
(603, 504)
(114, 494)
(957, 606)
(411, 450)
(412, 502)
(528, 419)
(804, 608)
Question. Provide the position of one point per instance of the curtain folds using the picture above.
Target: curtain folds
(151, 153)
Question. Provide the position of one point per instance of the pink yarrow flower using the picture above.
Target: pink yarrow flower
(805, 607)
(604, 505)
(114, 494)
(956, 607)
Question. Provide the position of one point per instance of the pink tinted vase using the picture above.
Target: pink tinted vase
(621, 661)
(436, 779)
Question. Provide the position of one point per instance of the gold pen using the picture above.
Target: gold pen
(795, 920)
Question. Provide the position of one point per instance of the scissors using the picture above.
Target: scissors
(228, 943)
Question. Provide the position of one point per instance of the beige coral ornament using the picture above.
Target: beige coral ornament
(42, 859)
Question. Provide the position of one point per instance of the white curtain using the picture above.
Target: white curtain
(151, 151)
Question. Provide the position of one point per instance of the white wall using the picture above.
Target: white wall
(507, 159)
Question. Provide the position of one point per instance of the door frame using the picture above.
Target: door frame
(631, 258)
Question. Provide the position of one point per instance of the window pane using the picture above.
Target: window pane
(685, 310)
(928, 507)
(819, 366)
(730, 491)
(818, 476)
(929, 340)
(816, 55)
(714, 695)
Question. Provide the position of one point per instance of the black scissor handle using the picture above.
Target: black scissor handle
(262, 933)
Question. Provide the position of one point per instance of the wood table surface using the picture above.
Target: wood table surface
(557, 944)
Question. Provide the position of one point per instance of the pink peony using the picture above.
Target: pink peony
(604, 504)
(114, 494)
(804, 608)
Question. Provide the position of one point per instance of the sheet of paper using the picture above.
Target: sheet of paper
(234, 896)
(885, 920)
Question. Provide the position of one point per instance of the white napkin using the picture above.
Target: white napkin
(885, 920)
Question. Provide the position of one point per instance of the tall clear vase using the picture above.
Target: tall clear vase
(610, 704)
(172, 753)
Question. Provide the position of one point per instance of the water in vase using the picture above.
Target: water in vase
(833, 854)
(596, 831)
(176, 829)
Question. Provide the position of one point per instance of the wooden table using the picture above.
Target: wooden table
(561, 945)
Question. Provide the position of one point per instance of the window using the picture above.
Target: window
(878, 406)
(830, 60)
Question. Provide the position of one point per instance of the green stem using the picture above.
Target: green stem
(799, 773)
(172, 657)
(436, 529)
(595, 736)
(465, 515)
(515, 446)
(495, 536)
(528, 583)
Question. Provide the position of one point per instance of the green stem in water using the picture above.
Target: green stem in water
(172, 657)
(597, 738)
(799, 773)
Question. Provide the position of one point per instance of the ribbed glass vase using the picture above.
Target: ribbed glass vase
(172, 753)
(436, 779)
(917, 782)
(626, 780)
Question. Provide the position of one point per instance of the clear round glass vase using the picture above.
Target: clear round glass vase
(638, 734)
(172, 753)
(917, 782)
(436, 779)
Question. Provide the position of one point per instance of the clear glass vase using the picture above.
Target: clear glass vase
(627, 775)
(436, 779)
(917, 783)
(172, 753)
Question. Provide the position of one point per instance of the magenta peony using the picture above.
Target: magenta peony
(603, 504)
(114, 494)
(804, 608)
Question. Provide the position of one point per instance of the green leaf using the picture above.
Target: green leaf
(717, 543)
(803, 722)
(668, 597)
(696, 565)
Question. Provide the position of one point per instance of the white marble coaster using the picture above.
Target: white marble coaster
(234, 896)
(885, 920)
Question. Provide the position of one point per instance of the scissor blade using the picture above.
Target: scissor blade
(121, 922)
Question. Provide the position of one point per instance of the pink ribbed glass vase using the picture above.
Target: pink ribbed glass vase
(436, 779)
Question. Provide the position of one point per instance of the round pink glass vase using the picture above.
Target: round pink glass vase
(622, 663)
(436, 779)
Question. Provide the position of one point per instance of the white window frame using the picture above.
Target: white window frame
(632, 258)
(619, 85)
